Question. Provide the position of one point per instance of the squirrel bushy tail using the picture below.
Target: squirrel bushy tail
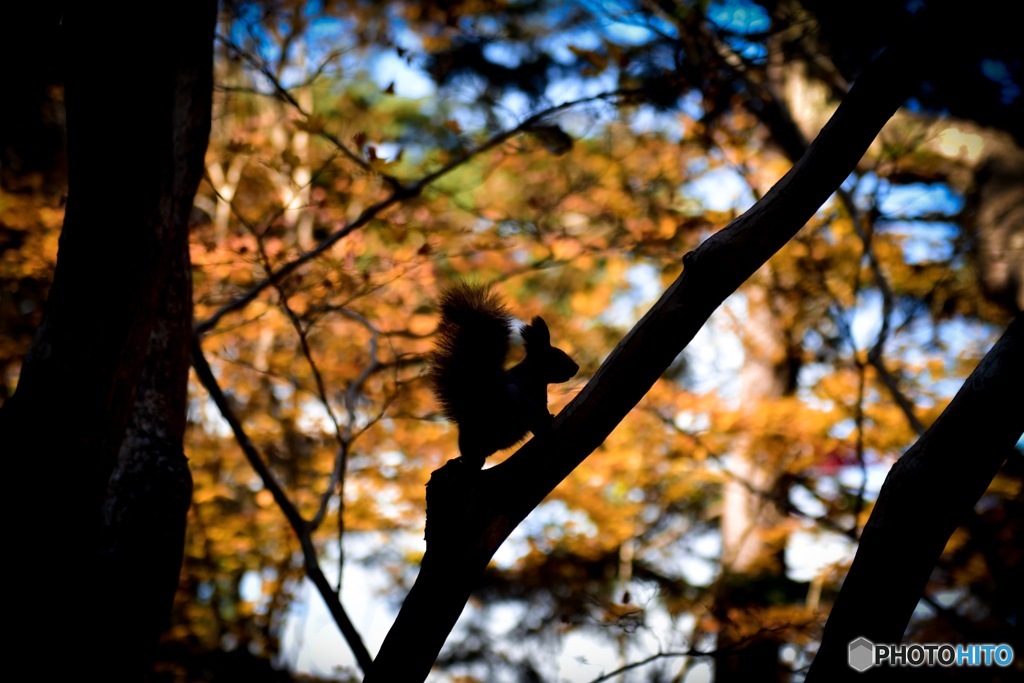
(494, 408)
(472, 343)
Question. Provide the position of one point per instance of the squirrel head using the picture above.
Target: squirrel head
(555, 365)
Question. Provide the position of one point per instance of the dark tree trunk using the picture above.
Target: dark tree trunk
(94, 430)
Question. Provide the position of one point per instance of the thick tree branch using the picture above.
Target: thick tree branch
(469, 513)
(928, 492)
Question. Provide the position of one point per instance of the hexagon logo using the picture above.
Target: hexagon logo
(862, 654)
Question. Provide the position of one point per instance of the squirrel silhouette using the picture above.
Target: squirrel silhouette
(493, 407)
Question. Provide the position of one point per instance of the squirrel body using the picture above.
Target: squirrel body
(493, 407)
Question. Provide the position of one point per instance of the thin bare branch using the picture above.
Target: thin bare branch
(398, 194)
(691, 652)
(295, 519)
(284, 94)
(644, 662)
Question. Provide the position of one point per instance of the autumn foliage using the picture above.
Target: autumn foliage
(362, 157)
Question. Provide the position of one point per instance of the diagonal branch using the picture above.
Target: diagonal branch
(470, 513)
(295, 519)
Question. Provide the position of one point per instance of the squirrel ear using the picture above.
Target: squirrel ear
(537, 332)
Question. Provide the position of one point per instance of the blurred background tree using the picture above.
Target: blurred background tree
(363, 154)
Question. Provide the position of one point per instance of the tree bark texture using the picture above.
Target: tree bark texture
(94, 429)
